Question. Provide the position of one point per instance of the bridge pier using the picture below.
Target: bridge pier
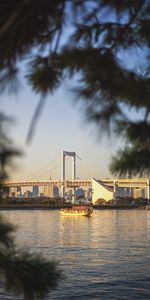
(63, 173)
(115, 185)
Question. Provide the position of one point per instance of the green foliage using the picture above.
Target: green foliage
(25, 24)
(137, 133)
(22, 272)
(7, 150)
(44, 78)
(29, 274)
(131, 162)
(6, 240)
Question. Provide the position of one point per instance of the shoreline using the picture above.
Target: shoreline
(58, 207)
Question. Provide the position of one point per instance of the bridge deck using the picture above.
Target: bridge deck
(127, 182)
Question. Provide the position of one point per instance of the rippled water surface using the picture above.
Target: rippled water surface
(106, 256)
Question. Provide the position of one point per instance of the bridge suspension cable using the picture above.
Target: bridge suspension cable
(51, 169)
(36, 171)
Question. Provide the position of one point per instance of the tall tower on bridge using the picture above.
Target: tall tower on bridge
(63, 173)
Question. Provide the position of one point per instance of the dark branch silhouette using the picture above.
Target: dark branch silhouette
(87, 41)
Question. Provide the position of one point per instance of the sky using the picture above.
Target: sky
(61, 127)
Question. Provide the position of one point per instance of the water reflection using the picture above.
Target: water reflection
(103, 257)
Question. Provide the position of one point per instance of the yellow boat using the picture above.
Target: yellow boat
(77, 210)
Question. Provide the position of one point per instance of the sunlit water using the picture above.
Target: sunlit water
(106, 256)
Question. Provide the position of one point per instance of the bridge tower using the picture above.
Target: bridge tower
(63, 173)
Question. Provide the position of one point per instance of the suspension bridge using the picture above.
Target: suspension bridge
(62, 164)
(62, 182)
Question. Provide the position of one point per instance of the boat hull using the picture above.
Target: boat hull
(77, 211)
(77, 214)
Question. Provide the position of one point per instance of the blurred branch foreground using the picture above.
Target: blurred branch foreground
(23, 273)
(102, 34)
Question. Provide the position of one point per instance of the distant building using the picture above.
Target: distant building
(5, 192)
(48, 191)
(51, 191)
(89, 194)
(35, 191)
(41, 195)
(139, 193)
(14, 191)
(134, 192)
(55, 191)
(27, 194)
(79, 194)
(18, 193)
(123, 192)
(68, 195)
(101, 191)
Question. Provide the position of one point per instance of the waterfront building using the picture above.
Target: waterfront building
(139, 192)
(101, 191)
(89, 194)
(41, 194)
(35, 191)
(14, 191)
(55, 191)
(123, 192)
(79, 194)
(68, 195)
(27, 194)
(48, 191)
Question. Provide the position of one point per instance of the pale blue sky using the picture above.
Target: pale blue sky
(61, 126)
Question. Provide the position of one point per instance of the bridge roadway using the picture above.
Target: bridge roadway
(126, 182)
(59, 183)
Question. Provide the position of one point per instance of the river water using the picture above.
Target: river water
(106, 256)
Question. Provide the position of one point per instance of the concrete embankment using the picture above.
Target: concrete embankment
(30, 206)
(60, 206)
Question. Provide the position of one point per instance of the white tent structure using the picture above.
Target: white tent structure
(101, 191)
